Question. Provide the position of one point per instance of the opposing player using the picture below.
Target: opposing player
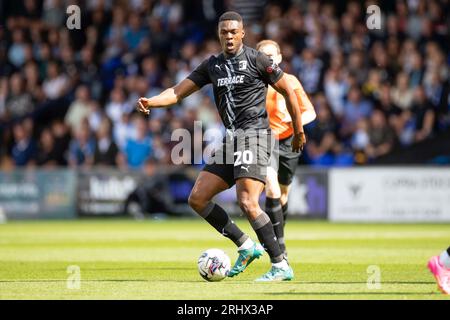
(283, 160)
(440, 268)
(240, 76)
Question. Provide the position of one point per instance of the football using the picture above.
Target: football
(214, 265)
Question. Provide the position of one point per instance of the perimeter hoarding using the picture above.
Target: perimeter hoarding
(414, 194)
(308, 196)
(104, 192)
(38, 194)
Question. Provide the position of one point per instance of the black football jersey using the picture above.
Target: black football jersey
(240, 86)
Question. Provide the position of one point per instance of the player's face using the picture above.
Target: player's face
(271, 51)
(231, 33)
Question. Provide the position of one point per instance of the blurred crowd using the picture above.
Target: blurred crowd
(67, 97)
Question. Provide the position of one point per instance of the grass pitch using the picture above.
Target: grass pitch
(123, 259)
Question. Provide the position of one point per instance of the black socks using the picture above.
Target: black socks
(266, 235)
(285, 211)
(275, 212)
(219, 219)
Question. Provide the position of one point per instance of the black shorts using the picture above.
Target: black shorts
(284, 161)
(246, 155)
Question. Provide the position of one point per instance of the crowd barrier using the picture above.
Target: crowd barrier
(362, 194)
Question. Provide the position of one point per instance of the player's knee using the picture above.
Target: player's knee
(284, 198)
(249, 206)
(284, 194)
(197, 201)
(272, 191)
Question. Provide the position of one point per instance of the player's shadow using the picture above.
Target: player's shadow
(101, 280)
(65, 280)
(349, 293)
(130, 269)
(344, 282)
(364, 282)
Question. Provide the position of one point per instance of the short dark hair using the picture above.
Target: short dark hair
(230, 15)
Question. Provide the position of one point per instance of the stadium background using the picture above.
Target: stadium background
(67, 97)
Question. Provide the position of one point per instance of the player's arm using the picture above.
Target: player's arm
(283, 87)
(308, 112)
(195, 81)
(274, 76)
(306, 107)
(168, 97)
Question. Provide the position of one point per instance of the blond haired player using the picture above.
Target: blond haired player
(281, 172)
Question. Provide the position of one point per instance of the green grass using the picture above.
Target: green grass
(122, 259)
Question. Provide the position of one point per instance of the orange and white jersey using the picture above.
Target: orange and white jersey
(279, 117)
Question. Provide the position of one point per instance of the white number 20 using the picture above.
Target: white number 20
(245, 157)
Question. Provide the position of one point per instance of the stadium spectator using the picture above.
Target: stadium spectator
(434, 90)
(151, 71)
(402, 94)
(118, 105)
(355, 108)
(360, 138)
(54, 13)
(335, 89)
(56, 84)
(19, 102)
(69, 65)
(79, 109)
(115, 34)
(135, 33)
(122, 131)
(423, 114)
(381, 136)
(383, 102)
(33, 82)
(82, 147)
(309, 70)
(62, 137)
(95, 116)
(372, 86)
(89, 72)
(160, 152)
(16, 52)
(3, 95)
(322, 136)
(106, 152)
(48, 155)
(139, 148)
(24, 149)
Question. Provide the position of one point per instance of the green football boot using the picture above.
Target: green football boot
(277, 274)
(246, 256)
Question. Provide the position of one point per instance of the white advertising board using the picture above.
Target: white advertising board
(390, 194)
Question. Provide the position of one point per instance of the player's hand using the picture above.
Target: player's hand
(298, 142)
(143, 105)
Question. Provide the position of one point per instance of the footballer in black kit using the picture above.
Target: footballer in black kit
(240, 88)
(240, 76)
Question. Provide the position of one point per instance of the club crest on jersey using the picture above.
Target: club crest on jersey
(271, 68)
(242, 65)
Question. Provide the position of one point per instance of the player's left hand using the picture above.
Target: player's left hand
(143, 106)
(298, 142)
